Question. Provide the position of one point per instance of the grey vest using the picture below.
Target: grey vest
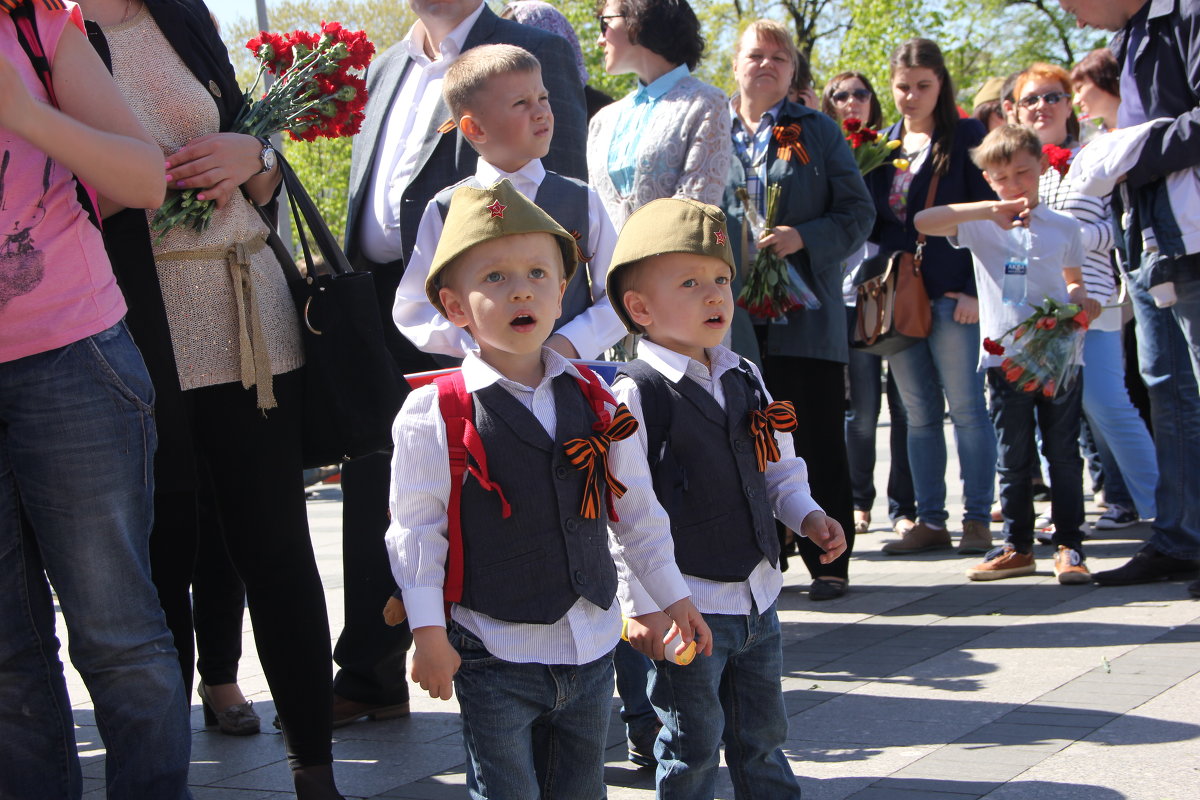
(566, 201)
(532, 566)
(705, 473)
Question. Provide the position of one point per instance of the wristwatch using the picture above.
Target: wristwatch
(267, 156)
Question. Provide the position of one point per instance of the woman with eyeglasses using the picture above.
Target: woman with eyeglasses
(849, 95)
(942, 369)
(1124, 445)
(670, 136)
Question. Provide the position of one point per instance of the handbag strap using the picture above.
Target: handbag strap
(919, 255)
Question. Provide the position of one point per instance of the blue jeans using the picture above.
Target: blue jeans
(1116, 424)
(939, 370)
(862, 418)
(1167, 362)
(532, 730)
(636, 712)
(77, 441)
(1013, 414)
(734, 696)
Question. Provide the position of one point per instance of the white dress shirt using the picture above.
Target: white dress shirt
(787, 488)
(590, 333)
(417, 539)
(409, 119)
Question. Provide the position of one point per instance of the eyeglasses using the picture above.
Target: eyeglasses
(861, 95)
(1051, 98)
(604, 21)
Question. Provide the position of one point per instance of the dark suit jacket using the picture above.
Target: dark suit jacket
(827, 202)
(188, 28)
(945, 269)
(448, 158)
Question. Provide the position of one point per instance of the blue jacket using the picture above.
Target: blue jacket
(827, 202)
(1167, 73)
(945, 269)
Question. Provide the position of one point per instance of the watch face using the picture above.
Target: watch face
(268, 158)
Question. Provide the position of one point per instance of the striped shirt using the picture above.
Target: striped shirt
(417, 539)
(1094, 215)
(787, 487)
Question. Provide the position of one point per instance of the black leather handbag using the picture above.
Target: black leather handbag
(351, 391)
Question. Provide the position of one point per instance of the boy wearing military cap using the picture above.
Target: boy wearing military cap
(517, 547)
(723, 466)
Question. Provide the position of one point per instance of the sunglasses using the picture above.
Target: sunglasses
(1051, 98)
(604, 21)
(858, 94)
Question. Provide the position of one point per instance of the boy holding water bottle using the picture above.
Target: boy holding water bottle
(1024, 252)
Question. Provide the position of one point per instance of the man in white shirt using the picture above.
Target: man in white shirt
(402, 157)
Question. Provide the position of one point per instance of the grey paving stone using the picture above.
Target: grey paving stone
(882, 793)
(966, 786)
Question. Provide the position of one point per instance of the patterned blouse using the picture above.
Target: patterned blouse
(228, 306)
(682, 147)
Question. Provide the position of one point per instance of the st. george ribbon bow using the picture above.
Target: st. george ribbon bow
(778, 416)
(591, 453)
(788, 137)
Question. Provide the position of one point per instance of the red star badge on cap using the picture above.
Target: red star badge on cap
(722, 238)
(497, 209)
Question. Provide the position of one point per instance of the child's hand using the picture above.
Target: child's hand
(393, 611)
(646, 634)
(434, 661)
(1093, 309)
(688, 625)
(825, 533)
(1010, 214)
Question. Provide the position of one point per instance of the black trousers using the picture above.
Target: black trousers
(817, 388)
(252, 462)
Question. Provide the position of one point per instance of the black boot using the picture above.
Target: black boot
(316, 783)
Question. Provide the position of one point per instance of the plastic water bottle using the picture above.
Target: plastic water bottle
(1015, 268)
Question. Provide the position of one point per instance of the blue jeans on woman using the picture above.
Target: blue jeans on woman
(933, 372)
(1116, 424)
(862, 418)
(76, 454)
(532, 730)
(732, 696)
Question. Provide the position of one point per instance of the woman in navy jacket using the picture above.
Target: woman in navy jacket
(943, 368)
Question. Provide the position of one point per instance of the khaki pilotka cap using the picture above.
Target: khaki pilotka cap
(667, 225)
(480, 215)
(989, 91)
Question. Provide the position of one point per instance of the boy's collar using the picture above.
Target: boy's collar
(674, 366)
(488, 174)
(478, 374)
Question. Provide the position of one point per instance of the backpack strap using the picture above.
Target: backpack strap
(464, 445)
(767, 419)
(25, 19)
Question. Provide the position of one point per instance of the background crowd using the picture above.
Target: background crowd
(212, 317)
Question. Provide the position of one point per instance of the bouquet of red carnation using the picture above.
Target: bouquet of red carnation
(1059, 157)
(1047, 348)
(314, 95)
(869, 149)
(771, 287)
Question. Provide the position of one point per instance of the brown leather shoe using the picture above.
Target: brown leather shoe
(348, 711)
(976, 538)
(1003, 562)
(1069, 567)
(918, 539)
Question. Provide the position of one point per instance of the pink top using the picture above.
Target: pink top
(56, 283)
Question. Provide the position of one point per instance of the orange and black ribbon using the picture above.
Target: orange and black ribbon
(447, 126)
(788, 137)
(779, 416)
(9, 6)
(583, 258)
(591, 454)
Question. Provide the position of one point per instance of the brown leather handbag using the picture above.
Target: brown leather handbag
(892, 308)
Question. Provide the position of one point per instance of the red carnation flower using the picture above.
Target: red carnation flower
(994, 348)
(1059, 157)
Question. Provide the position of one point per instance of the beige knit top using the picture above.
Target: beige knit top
(228, 307)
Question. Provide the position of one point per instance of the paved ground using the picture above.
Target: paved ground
(917, 684)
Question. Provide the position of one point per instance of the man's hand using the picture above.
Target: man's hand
(967, 310)
(688, 625)
(825, 533)
(434, 661)
(783, 240)
(646, 632)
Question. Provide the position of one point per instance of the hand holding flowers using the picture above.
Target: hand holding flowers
(1046, 348)
(772, 287)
